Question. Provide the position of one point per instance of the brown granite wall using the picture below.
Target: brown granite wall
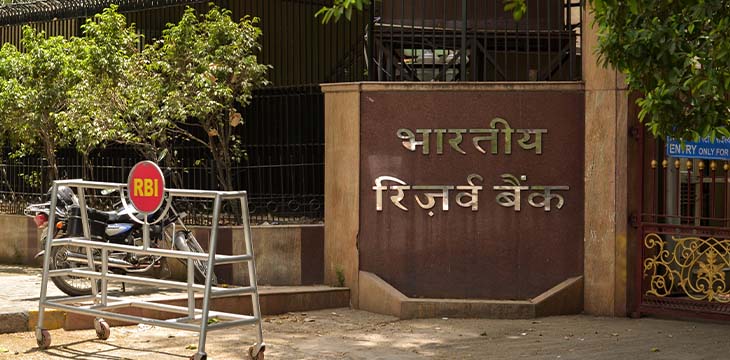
(493, 252)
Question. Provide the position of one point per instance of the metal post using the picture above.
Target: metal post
(208, 273)
(145, 234)
(87, 235)
(92, 267)
(104, 270)
(46, 260)
(252, 271)
(191, 292)
(84, 215)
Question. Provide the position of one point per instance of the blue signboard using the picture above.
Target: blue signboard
(703, 149)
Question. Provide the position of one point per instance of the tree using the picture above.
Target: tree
(677, 55)
(209, 67)
(117, 98)
(340, 8)
(33, 93)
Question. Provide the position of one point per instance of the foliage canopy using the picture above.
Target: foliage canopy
(105, 88)
(33, 92)
(208, 66)
(677, 54)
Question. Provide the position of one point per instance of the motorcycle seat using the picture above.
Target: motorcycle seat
(113, 217)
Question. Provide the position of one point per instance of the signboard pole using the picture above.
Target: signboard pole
(146, 188)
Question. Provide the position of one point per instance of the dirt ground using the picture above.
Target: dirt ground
(350, 334)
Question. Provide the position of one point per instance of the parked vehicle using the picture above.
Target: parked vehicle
(115, 226)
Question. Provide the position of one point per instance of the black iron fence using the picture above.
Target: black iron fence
(393, 40)
(283, 170)
(300, 49)
(474, 40)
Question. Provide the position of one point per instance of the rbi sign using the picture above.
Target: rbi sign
(146, 187)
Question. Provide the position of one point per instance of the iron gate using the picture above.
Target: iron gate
(684, 234)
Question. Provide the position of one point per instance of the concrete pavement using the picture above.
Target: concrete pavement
(350, 334)
(20, 292)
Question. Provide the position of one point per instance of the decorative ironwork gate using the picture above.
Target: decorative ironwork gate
(684, 234)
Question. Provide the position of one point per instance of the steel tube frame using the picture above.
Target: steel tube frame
(215, 291)
(101, 302)
(81, 242)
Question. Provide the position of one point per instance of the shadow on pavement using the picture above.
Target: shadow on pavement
(69, 351)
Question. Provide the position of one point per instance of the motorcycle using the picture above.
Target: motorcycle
(117, 227)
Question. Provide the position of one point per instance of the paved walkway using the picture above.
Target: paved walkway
(20, 291)
(20, 288)
(350, 334)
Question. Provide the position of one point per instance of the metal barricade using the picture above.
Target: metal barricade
(99, 304)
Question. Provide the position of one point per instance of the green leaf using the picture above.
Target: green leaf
(676, 55)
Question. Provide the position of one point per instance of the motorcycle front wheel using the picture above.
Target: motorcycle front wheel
(185, 241)
(71, 285)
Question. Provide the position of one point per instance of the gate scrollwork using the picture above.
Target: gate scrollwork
(695, 266)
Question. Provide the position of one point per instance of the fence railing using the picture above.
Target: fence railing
(283, 170)
(393, 40)
(474, 40)
(300, 49)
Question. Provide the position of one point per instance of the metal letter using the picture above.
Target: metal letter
(513, 198)
(546, 196)
(454, 142)
(473, 195)
(527, 134)
(396, 199)
(409, 138)
(507, 131)
(431, 201)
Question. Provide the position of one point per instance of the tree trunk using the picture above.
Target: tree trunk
(171, 163)
(221, 156)
(86, 167)
(223, 171)
(51, 158)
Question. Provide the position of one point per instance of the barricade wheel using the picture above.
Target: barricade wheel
(102, 329)
(44, 342)
(259, 356)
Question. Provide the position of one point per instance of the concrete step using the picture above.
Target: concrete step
(272, 299)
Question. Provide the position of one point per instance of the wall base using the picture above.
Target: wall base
(378, 296)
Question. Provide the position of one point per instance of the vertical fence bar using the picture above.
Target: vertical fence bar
(689, 191)
(701, 185)
(371, 34)
(549, 74)
(654, 198)
(665, 176)
(402, 56)
(713, 173)
(463, 58)
(726, 167)
(678, 194)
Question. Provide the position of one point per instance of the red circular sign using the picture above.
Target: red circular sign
(146, 187)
